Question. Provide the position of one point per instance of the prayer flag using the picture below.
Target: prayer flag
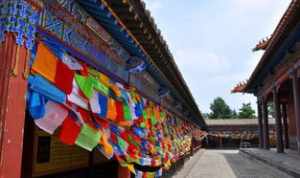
(85, 85)
(71, 62)
(139, 174)
(116, 90)
(122, 144)
(94, 103)
(101, 87)
(64, 77)
(127, 112)
(76, 97)
(106, 147)
(36, 105)
(42, 86)
(131, 168)
(104, 79)
(120, 111)
(111, 109)
(69, 131)
(54, 116)
(45, 62)
(88, 137)
(103, 101)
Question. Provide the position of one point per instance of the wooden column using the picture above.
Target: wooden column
(279, 144)
(12, 106)
(285, 126)
(296, 94)
(265, 125)
(260, 123)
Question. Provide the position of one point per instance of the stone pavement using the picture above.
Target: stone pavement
(288, 162)
(226, 164)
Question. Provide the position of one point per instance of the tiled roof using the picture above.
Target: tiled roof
(218, 122)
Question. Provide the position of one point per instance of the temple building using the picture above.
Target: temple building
(275, 82)
(235, 133)
(90, 89)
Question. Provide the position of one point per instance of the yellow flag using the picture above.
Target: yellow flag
(131, 168)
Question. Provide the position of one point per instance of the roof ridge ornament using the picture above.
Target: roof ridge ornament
(240, 87)
(262, 44)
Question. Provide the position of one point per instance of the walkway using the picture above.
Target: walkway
(226, 164)
(288, 162)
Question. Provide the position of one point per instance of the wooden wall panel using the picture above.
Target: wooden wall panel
(99, 158)
(62, 157)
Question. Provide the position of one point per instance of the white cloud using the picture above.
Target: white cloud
(200, 61)
(249, 4)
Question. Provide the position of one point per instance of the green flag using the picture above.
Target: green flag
(101, 87)
(153, 119)
(86, 85)
(127, 112)
(122, 143)
(88, 137)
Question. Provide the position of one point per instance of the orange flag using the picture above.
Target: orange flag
(45, 63)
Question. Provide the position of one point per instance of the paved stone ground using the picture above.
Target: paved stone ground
(226, 164)
(289, 161)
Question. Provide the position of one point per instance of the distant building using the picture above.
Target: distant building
(233, 133)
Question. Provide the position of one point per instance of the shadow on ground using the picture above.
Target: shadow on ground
(243, 167)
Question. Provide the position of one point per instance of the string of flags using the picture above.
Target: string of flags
(91, 111)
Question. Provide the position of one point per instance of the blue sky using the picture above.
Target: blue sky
(211, 41)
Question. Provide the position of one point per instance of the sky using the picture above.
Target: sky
(212, 42)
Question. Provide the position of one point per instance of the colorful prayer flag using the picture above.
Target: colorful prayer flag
(64, 77)
(55, 114)
(69, 131)
(45, 62)
(36, 105)
(88, 137)
(111, 109)
(76, 97)
(94, 103)
(42, 86)
(105, 147)
(103, 102)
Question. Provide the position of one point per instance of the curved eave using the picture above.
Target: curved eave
(277, 46)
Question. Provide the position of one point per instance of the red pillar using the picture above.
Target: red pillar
(265, 124)
(12, 107)
(296, 95)
(285, 126)
(260, 123)
(279, 144)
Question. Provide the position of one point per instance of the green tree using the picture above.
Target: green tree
(271, 110)
(219, 109)
(234, 115)
(205, 115)
(246, 111)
